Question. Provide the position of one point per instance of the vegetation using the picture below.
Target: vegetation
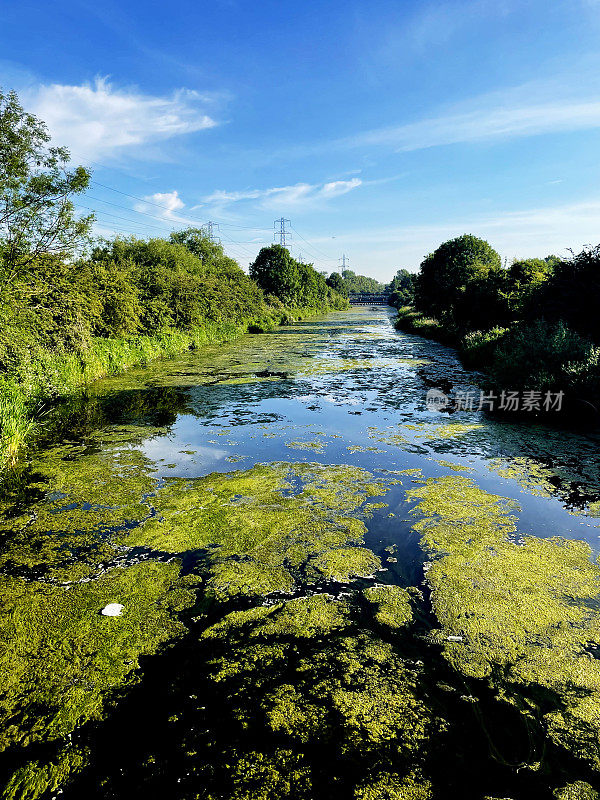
(531, 326)
(351, 283)
(401, 289)
(69, 316)
(291, 282)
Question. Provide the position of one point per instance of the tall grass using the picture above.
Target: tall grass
(50, 375)
(16, 424)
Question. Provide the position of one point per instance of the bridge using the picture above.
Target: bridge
(368, 299)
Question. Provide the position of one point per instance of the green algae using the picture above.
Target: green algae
(346, 693)
(522, 614)
(61, 660)
(393, 787)
(411, 433)
(357, 448)
(261, 528)
(316, 445)
(343, 563)
(36, 778)
(454, 467)
(86, 498)
(60, 657)
(532, 476)
(392, 603)
(580, 790)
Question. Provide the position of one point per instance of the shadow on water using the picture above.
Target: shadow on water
(240, 701)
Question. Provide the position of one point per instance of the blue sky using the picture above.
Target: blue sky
(379, 129)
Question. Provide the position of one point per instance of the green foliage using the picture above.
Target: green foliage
(547, 357)
(295, 284)
(524, 279)
(402, 289)
(412, 321)
(337, 283)
(572, 294)
(452, 277)
(360, 284)
(478, 348)
(36, 214)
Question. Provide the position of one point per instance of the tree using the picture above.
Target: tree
(525, 277)
(447, 273)
(37, 216)
(277, 273)
(572, 294)
(336, 282)
(401, 289)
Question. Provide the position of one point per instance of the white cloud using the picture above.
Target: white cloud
(165, 205)
(484, 124)
(286, 196)
(97, 120)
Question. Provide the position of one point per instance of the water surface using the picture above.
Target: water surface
(327, 589)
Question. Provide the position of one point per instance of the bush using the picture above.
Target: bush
(412, 321)
(546, 356)
(478, 348)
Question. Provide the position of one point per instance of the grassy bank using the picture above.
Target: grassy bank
(50, 376)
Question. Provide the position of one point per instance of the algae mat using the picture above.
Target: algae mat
(320, 589)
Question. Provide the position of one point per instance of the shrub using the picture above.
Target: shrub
(547, 357)
(478, 348)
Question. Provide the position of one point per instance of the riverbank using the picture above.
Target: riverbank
(51, 376)
(536, 357)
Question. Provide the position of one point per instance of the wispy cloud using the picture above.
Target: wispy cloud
(484, 124)
(515, 234)
(283, 197)
(96, 120)
(166, 206)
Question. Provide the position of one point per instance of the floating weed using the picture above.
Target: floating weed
(454, 467)
(392, 603)
(357, 448)
(261, 528)
(349, 694)
(522, 616)
(533, 477)
(61, 659)
(316, 445)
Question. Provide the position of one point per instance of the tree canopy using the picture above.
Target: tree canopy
(454, 277)
(37, 216)
(292, 282)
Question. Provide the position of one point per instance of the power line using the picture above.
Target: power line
(313, 246)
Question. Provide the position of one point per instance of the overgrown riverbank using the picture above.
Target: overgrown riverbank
(531, 326)
(65, 325)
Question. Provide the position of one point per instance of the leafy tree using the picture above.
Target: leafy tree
(37, 216)
(458, 265)
(361, 284)
(524, 279)
(572, 294)
(337, 283)
(401, 289)
(291, 282)
(277, 273)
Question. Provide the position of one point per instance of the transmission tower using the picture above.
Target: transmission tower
(281, 230)
(209, 232)
(345, 263)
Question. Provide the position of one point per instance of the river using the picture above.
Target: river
(268, 570)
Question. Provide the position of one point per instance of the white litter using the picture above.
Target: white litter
(112, 610)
